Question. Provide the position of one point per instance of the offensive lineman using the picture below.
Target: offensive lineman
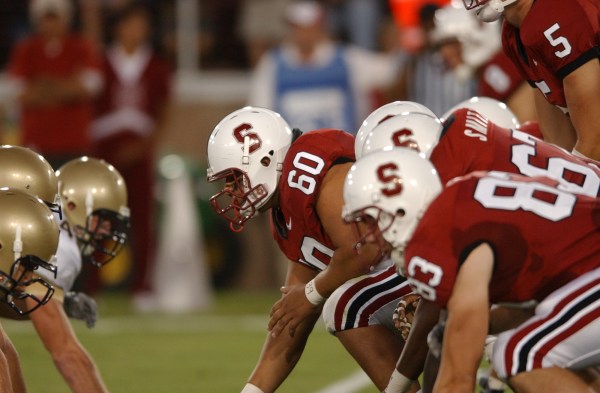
(266, 165)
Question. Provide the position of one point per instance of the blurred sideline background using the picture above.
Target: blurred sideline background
(213, 289)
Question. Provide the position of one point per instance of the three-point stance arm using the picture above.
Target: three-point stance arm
(467, 323)
(281, 353)
(71, 359)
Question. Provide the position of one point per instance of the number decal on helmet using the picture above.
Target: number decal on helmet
(244, 130)
(388, 175)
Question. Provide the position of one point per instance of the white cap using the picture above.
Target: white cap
(304, 13)
(39, 8)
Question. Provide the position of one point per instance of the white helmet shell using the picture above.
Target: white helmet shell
(251, 141)
(479, 41)
(417, 131)
(383, 113)
(488, 10)
(395, 187)
(495, 111)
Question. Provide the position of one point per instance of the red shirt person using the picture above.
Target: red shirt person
(468, 142)
(299, 177)
(490, 238)
(57, 75)
(556, 46)
(506, 239)
(130, 112)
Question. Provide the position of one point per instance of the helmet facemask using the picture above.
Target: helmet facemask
(239, 200)
(487, 10)
(13, 285)
(104, 236)
(371, 226)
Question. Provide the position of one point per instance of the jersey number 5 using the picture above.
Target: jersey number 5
(558, 41)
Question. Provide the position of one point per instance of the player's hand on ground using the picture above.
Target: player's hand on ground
(290, 310)
(80, 306)
(435, 338)
(405, 312)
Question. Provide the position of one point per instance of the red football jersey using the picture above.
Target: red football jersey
(542, 237)
(295, 223)
(555, 39)
(469, 143)
(499, 78)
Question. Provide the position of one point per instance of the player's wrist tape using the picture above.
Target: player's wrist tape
(398, 383)
(249, 388)
(311, 293)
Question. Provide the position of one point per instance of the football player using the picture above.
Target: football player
(28, 240)
(557, 52)
(265, 165)
(92, 191)
(500, 239)
(467, 141)
(464, 143)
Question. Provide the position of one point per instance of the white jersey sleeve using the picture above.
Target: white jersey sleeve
(68, 262)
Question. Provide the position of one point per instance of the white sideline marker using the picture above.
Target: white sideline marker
(352, 383)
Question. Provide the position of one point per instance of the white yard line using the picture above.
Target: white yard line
(352, 383)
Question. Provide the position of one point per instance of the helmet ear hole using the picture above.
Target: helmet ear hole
(400, 212)
(265, 161)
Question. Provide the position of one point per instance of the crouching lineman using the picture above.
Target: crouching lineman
(467, 142)
(267, 165)
(490, 238)
(28, 241)
(88, 187)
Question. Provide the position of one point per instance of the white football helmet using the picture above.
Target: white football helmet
(479, 41)
(246, 150)
(389, 192)
(417, 131)
(383, 113)
(495, 111)
(488, 10)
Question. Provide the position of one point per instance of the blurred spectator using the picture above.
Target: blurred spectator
(131, 110)
(499, 78)
(443, 72)
(258, 35)
(358, 21)
(56, 76)
(314, 82)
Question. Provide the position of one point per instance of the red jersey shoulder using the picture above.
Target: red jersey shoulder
(562, 34)
(295, 224)
(499, 78)
(465, 145)
(505, 211)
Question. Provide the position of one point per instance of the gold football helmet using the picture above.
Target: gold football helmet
(28, 241)
(94, 197)
(26, 170)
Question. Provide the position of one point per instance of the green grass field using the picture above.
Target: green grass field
(206, 352)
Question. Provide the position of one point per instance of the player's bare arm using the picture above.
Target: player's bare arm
(582, 92)
(412, 359)
(467, 324)
(71, 359)
(345, 264)
(281, 353)
(11, 375)
(555, 126)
